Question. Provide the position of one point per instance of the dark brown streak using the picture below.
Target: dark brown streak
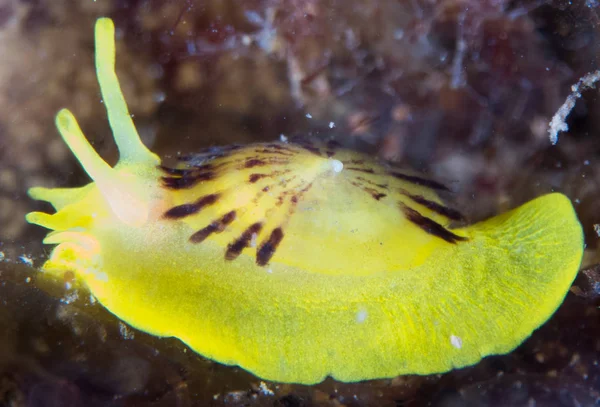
(356, 162)
(306, 144)
(202, 234)
(278, 152)
(365, 170)
(424, 182)
(297, 197)
(280, 147)
(450, 213)
(175, 171)
(375, 194)
(191, 171)
(186, 182)
(209, 153)
(312, 149)
(368, 181)
(235, 249)
(216, 226)
(255, 177)
(268, 248)
(181, 211)
(430, 226)
(254, 162)
(371, 191)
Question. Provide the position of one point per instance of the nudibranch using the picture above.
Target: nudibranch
(301, 260)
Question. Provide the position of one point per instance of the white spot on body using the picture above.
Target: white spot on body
(101, 276)
(337, 165)
(456, 341)
(361, 316)
(253, 240)
(331, 125)
(308, 116)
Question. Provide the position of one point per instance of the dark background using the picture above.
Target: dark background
(463, 90)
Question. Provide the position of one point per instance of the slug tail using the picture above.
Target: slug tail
(131, 148)
(533, 253)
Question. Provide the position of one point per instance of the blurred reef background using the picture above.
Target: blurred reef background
(461, 89)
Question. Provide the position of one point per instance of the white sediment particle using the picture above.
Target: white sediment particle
(337, 165)
(265, 390)
(361, 316)
(308, 116)
(92, 299)
(597, 229)
(253, 240)
(26, 260)
(68, 285)
(456, 341)
(283, 138)
(331, 125)
(70, 297)
(125, 332)
(558, 122)
(2, 256)
(28, 280)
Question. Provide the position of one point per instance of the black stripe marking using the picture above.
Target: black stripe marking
(377, 195)
(255, 177)
(186, 181)
(450, 213)
(368, 181)
(278, 152)
(181, 211)
(210, 152)
(280, 147)
(235, 249)
(424, 182)
(254, 162)
(268, 248)
(202, 234)
(175, 171)
(216, 226)
(430, 226)
(365, 170)
(306, 144)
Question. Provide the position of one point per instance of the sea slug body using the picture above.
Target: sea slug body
(299, 260)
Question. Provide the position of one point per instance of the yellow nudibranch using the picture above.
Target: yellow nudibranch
(301, 260)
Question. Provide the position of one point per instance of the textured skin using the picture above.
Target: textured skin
(275, 258)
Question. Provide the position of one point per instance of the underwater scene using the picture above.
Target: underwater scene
(298, 203)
